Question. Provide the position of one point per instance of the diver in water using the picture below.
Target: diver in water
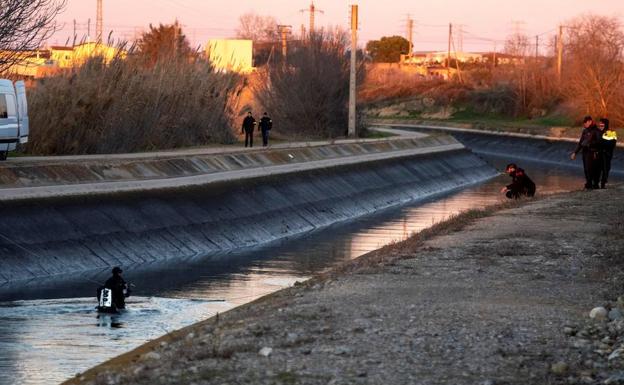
(520, 185)
(112, 297)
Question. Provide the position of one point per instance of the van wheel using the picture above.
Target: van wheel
(3, 155)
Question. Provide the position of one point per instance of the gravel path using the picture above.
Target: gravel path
(503, 301)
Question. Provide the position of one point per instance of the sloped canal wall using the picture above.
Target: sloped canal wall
(63, 234)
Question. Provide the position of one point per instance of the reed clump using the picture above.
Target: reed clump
(127, 106)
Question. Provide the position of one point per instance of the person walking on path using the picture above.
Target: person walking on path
(589, 143)
(608, 141)
(248, 127)
(265, 126)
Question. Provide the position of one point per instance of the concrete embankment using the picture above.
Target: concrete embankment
(230, 201)
(503, 301)
(521, 146)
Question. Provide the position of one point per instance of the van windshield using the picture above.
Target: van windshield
(4, 110)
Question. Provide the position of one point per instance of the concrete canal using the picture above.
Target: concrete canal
(49, 330)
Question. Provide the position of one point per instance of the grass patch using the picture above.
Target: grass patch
(287, 378)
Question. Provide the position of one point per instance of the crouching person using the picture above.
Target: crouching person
(521, 184)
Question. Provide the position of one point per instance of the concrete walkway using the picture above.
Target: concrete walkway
(22, 193)
(211, 150)
(45, 177)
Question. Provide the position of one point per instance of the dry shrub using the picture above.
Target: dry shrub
(308, 96)
(390, 82)
(593, 72)
(499, 100)
(127, 107)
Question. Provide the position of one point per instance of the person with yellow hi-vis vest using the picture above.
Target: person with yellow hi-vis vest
(608, 142)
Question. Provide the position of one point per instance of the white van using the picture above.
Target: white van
(13, 116)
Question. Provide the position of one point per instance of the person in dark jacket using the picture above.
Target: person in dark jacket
(265, 126)
(521, 184)
(589, 143)
(249, 123)
(119, 287)
(608, 141)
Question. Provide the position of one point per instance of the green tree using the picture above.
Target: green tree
(388, 49)
(164, 42)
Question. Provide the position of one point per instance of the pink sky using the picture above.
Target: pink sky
(205, 19)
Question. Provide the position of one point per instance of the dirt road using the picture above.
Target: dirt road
(484, 299)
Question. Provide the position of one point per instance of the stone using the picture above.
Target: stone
(342, 350)
(569, 330)
(581, 343)
(559, 368)
(617, 378)
(292, 338)
(152, 356)
(598, 313)
(615, 314)
(265, 351)
(616, 353)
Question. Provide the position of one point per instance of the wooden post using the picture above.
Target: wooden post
(353, 76)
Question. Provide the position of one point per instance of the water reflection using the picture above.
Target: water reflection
(44, 341)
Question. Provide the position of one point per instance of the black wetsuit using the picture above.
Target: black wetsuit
(521, 184)
(248, 127)
(265, 126)
(118, 285)
(589, 143)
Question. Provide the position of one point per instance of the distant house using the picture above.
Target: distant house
(63, 57)
(436, 58)
(82, 52)
(40, 63)
(231, 54)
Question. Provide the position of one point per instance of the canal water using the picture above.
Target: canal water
(49, 330)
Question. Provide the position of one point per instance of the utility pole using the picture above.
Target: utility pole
(448, 54)
(559, 51)
(536, 47)
(494, 60)
(89, 29)
(352, 83)
(410, 35)
(284, 30)
(99, 27)
(74, 39)
(175, 38)
(460, 38)
(303, 32)
(313, 12)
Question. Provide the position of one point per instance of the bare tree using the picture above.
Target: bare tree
(517, 45)
(307, 93)
(593, 65)
(257, 28)
(24, 26)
